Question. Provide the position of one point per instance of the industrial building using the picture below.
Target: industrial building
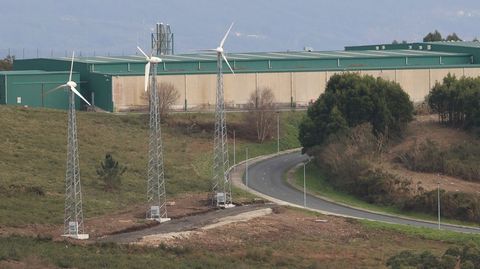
(117, 83)
(34, 88)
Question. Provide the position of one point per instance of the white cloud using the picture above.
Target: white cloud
(468, 14)
(253, 36)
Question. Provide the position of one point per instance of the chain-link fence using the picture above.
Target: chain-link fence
(24, 53)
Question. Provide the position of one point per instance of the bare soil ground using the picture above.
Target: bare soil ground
(422, 128)
(130, 219)
(290, 234)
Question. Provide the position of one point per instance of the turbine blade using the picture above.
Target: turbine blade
(71, 67)
(79, 95)
(225, 59)
(54, 89)
(147, 74)
(144, 54)
(225, 37)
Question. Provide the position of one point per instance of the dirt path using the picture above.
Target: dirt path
(182, 227)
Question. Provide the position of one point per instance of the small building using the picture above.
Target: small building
(33, 88)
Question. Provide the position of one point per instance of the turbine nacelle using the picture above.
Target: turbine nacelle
(150, 60)
(154, 60)
(71, 84)
(219, 50)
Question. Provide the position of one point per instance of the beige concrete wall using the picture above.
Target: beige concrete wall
(415, 82)
(280, 83)
(128, 92)
(437, 75)
(238, 88)
(307, 86)
(179, 83)
(199, 90)
(472, 72)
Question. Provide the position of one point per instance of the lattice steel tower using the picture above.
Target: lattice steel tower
(156, 194)
(221, 185)
(73, 222)
(73, 225)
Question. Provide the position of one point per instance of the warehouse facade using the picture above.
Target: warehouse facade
(296, 78)
(34, 88)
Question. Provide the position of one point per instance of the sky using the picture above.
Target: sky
(116, 27)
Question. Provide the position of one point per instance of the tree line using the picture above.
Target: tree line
(457, 102)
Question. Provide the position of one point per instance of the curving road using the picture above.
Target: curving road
(267, 177)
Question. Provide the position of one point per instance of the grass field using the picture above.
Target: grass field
(318, 185)
(273, 241)
(33, 153)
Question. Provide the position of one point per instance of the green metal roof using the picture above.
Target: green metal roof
(31, 72)
(289, 55)
(471, 44)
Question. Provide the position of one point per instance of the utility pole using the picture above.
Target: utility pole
(278, 131)
(304, 184)
(234, 151)
(438, 199)
(246, 167)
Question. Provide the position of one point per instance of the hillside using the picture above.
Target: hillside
(425, 128)
(33, 154)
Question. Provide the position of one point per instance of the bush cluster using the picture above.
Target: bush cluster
(454, 205)
(467, 257)
(347, 162)
(459, 160)
(350, 100)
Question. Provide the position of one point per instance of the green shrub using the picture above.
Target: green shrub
(110, 172)
(347, 161)
(469, 257)
(350, 100)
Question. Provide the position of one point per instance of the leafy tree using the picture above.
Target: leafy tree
(350, 100)
(432, 37)
(6, 63)
(453, 37)
(457, 101)
(110, 173)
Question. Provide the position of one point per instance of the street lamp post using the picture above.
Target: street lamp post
(304, 184)
(234, 151)
(246, 167)
(438, 199)
(278, 131)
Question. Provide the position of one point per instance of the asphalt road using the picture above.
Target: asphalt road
(267, 177)
(188, 223)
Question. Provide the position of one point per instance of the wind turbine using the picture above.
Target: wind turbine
(156, 195)
(221, 185)
(73, 221)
